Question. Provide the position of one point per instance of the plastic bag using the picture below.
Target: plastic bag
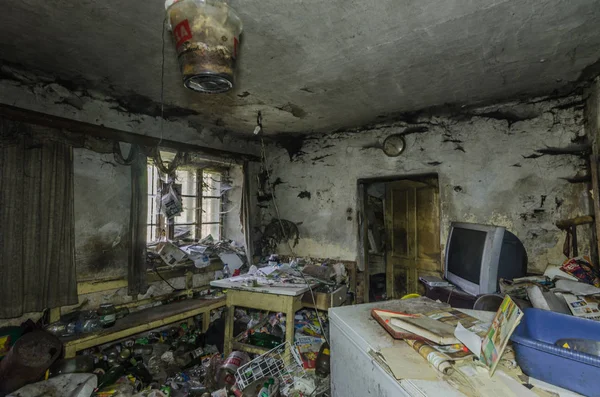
(171, 203)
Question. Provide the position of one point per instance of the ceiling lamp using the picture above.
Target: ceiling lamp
(206, 35)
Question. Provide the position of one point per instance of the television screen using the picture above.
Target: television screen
(466, 252)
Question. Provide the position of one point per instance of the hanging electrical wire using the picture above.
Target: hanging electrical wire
(263, 159)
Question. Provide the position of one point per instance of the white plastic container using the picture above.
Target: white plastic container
(206, 35)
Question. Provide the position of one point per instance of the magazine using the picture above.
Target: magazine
(438, 360)
(308, 348)
(505, 321)
(584, 306)
(453, 317)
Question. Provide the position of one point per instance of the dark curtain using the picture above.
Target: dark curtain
(37, 257)
(136, 273)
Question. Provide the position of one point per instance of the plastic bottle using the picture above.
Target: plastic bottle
(322, 366)
(264, 392)
(226, 272)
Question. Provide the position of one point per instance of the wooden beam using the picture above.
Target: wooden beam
(75, 126)
(249, 348)
(88, 287)
(596, 198)
(580, 220)
(91, 286)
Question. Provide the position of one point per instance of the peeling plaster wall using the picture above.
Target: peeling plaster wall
(232, 205)
(43, 93)
(592, 113)
(102, 187)
(489, 167)
(102, 200)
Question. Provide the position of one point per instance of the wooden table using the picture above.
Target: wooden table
(145, 320)
(287, 300)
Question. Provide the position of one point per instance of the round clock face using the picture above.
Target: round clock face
(394, 145)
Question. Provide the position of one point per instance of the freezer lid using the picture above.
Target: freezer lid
(356, 321)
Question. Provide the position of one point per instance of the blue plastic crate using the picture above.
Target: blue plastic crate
(538, 357)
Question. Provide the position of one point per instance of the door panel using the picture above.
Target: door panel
(413, 232)
(401, 204)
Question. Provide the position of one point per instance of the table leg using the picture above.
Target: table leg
(289, 320)
(205, 321)
(229, 319)
(70, 351)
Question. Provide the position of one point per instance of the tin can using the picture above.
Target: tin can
(235, 360)
(229, 368)
(108, 315)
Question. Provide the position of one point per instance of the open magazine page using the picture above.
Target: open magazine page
(506, 320)
(584, 306)
(453, 317)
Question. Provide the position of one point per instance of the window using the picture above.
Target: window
(201, 198)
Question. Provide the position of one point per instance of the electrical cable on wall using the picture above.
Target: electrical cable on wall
(263, 159)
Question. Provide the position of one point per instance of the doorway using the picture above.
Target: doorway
(400, 234)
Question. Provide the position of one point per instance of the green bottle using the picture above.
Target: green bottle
(264, 340)
(111, 376)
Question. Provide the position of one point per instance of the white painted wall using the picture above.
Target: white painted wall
(483, 172)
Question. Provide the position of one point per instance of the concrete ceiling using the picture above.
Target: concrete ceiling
(314, 65)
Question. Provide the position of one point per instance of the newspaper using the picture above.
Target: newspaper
(438, 360)
(584, 306)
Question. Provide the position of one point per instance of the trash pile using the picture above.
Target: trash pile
(572, 288)
(87, 321)
(267, 330)
(187, 251)
(173, 361)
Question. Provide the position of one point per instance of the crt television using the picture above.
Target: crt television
(477, 256)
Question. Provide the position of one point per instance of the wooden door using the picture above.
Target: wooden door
(412, 218)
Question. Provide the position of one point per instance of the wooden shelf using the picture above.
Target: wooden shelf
(249, 348)
(145, 320)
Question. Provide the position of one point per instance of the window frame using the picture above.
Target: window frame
(157, 220)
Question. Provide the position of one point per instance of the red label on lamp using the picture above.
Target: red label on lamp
(182, 32)
(235, 47)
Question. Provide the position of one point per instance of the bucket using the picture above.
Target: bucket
(206, 35)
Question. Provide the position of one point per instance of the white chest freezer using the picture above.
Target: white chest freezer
(354, 372)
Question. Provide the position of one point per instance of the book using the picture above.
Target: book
(432, 330)
(383, 317)
(454, 352)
